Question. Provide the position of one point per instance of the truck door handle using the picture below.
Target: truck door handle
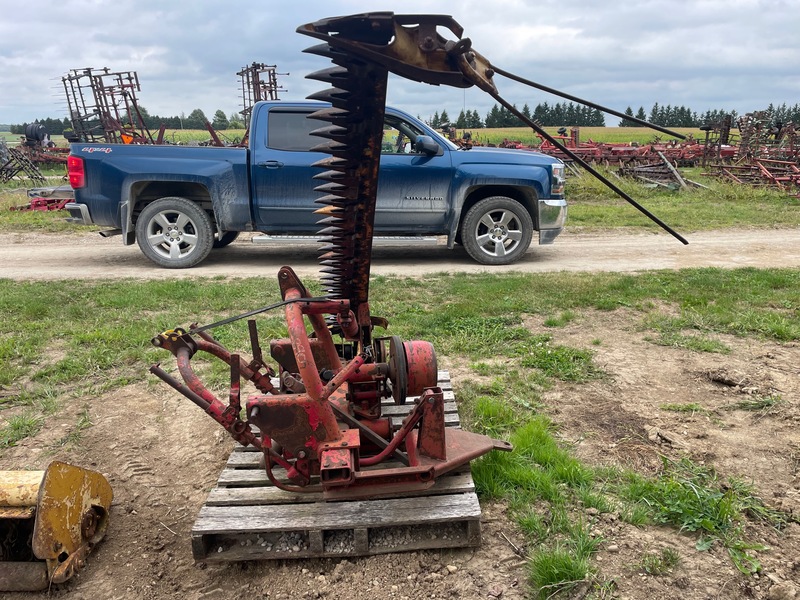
(270, 164)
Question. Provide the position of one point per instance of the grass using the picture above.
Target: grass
(547, 489)
(756, 403)
(723, 205)
(67, 341)
(74, 437)
(660, 563)
(694, 498)
(698, 343)
(19, 427)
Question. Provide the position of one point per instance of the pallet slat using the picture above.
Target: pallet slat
(335, 515)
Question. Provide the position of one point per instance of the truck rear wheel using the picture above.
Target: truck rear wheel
(497, 231)
(174, 233)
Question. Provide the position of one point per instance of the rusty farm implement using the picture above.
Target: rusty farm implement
(346, 415)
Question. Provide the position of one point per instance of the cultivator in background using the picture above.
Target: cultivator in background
(15, 164)
(762, 138)
(685, 153)
(782, 175)
(103, 107)
(47, 198)
(768, 154)
(259, 82)
(320, 425)
(39, 148)
(720, 143)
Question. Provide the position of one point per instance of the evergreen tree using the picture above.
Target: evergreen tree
(474, 119)
(654, 114)
(626, 122)
(541, 113)
(220, 122)
(494, 117)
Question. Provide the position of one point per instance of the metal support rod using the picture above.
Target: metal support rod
(301, 347)
(179, 387)
(411, 420)
(599, 107)
(368, 433)
(342, 376)
(538, 129)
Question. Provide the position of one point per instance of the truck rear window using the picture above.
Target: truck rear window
(290, 130)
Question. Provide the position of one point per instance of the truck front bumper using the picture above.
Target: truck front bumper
(552, 217)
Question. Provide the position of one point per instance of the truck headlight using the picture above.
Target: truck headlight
(557, 188)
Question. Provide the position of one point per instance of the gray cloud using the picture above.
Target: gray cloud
(736, 54)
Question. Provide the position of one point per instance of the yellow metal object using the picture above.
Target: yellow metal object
(19, 488)
(49, 522)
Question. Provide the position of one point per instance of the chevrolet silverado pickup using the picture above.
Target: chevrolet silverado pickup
(179, 202)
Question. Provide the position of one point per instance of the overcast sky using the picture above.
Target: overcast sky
(703, 54)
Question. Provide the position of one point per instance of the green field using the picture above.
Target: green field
(621, 135)
(616, 135)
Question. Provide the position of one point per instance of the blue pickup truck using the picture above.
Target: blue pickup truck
(178, 202)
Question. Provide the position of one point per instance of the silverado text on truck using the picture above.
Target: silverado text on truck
(179, 202)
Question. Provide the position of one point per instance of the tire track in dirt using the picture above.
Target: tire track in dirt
(89, 256)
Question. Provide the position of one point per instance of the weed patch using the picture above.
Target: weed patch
(660, 563)
(18, 428)
(692, 498)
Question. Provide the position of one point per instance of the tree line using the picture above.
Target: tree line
(561, 113)
(194, 120)
(681, 116)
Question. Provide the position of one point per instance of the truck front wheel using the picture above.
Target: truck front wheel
(497, 231)
(174, 233)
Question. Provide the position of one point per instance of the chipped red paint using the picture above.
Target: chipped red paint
(313, 415)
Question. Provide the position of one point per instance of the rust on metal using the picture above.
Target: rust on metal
(103, 107)
(259, 82)
(50, 521)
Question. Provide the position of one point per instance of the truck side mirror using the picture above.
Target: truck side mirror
(425, 144)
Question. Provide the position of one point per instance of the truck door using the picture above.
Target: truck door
(413, 188)
(281, 171)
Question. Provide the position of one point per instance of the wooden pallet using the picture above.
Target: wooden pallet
(246, 518)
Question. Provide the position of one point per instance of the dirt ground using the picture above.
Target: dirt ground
(162, 456)
(89, 256)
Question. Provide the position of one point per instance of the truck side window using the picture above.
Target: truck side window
(290, 130)
(398, 136)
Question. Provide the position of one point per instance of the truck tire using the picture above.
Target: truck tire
(227, 238)
(174, 233)
(497, 231)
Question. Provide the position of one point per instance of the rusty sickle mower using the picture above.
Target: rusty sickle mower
(318, 420)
